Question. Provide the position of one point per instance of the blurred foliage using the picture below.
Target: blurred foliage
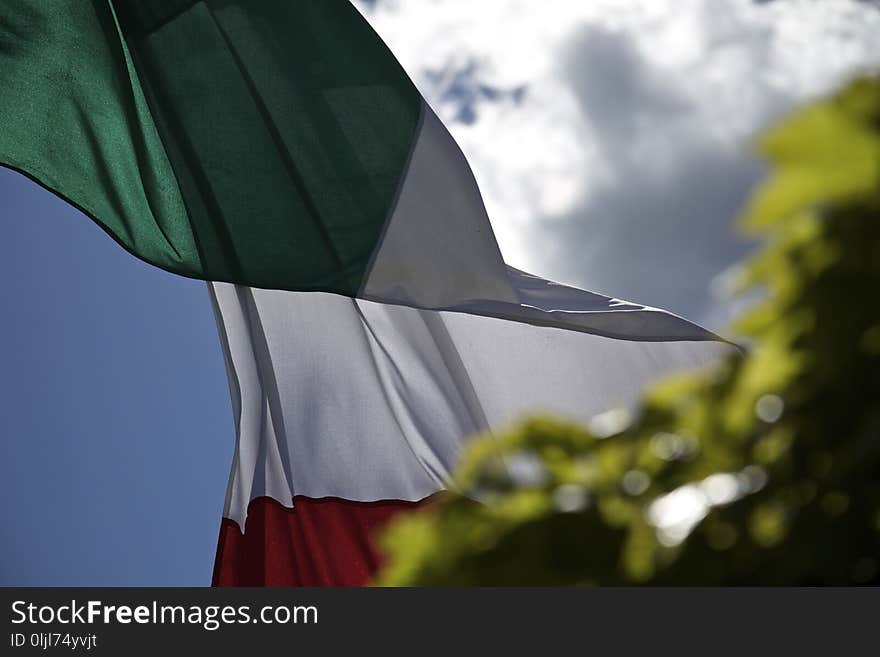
(763, 470)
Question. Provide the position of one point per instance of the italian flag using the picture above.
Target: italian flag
(277, 150)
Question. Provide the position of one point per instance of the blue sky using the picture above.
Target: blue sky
(116, 425)
(610, 142)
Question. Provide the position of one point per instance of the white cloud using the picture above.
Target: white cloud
(610, 137)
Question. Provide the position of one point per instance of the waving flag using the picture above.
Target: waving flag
(369, 322)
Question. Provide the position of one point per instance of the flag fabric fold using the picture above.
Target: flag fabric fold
(369, 323)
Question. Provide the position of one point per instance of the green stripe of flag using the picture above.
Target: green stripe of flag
(258, 142)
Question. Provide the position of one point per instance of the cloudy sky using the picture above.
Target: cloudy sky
(611, 138)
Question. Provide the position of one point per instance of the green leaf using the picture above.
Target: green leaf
(827, 153)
